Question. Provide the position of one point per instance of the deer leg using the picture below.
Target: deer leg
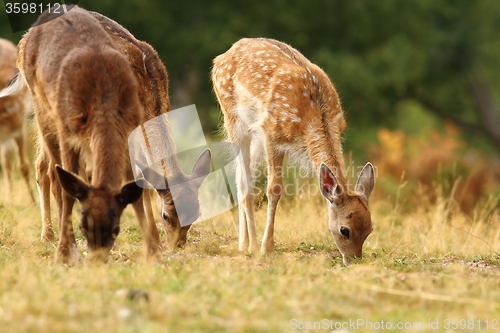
(274, 190)
(153, 230)
(70, 160)
(243, 240)
(144, 212)
(150, 235)
(245, 177)
(43, 184)
(23, 161)
(7, 152)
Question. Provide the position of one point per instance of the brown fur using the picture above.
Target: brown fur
(86, 103)
(13, 111)
(276, 102)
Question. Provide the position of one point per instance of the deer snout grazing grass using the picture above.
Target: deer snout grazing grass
(276, 102)
(177, 202)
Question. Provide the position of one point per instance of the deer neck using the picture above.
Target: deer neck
(325, 146)
(108, 160)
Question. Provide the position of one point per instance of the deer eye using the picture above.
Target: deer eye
(165, 216)
(345, 232)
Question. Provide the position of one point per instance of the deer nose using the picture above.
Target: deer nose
(347, 259)
(99, 255)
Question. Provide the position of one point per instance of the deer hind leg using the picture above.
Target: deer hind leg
(23, 161)
(43, 184)
(6, 154)
(274, 190)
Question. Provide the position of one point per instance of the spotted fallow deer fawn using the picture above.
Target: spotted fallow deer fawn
(13, 112)
(276, 102)
(86, 103)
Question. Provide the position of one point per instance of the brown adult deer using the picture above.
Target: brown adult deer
(276, 102)
(13, 112)
(153, 95)
(86, 102)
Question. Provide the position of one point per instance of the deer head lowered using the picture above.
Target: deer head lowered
(177, 200)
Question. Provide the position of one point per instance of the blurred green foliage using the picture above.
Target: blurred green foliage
(390, 60)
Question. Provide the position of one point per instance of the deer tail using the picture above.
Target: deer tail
(15, 85)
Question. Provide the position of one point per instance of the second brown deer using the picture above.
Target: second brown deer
(153, 95)
(276, 102)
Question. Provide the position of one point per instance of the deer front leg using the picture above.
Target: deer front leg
(243, 240)
(144, 212)
(149, 231)
(67, 242)
(274, 190)
(245, 180)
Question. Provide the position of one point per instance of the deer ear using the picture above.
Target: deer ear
(130, 193)
(201, 167)
(72, 184)
(366, 182)
(329, 186)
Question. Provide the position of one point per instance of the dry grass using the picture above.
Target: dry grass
(433, 263)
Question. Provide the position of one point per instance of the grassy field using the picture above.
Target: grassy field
(424, 268)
